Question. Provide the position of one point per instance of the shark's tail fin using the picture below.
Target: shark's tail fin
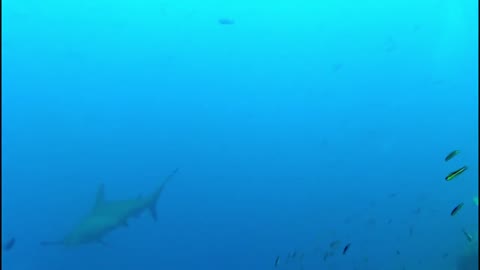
(156, 194)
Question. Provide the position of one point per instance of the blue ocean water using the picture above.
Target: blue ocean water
(294, 124)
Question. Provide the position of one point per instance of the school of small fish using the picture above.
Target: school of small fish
(333, 246)
(460, 205)
(454, 175)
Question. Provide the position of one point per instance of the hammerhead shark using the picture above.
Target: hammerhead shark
(107, 215)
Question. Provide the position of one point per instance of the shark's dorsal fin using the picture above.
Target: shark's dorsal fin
(100, 198)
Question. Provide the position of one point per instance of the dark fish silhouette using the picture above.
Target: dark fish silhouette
(345, 249)
(276, 261)
(456, 209)
(9, 244)
(452, 155)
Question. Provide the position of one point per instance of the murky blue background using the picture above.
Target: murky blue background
(298, 124)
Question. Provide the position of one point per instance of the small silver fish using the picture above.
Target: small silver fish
(467, 235)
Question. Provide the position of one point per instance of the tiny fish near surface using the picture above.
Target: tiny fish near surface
(345, 249)
(226, 21)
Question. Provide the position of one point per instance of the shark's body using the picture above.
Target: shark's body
(109, 215)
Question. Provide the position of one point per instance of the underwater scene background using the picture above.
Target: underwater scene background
(307, 134)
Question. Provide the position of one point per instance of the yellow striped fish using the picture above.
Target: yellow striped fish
(456, 173)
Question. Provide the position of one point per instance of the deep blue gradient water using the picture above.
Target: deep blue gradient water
(296, 124)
